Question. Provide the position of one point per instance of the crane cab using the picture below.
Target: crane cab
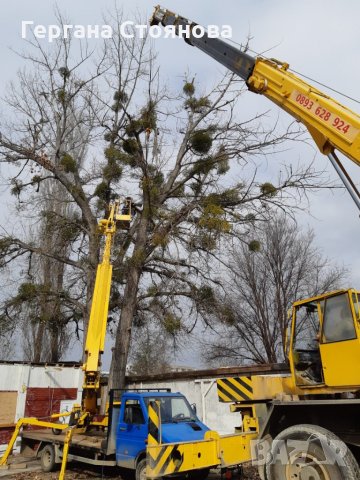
(324, 346)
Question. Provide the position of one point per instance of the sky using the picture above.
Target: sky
(319, 38)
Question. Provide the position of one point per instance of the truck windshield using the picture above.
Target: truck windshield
(174, 409)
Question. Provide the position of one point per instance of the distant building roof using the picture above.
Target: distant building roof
(212, 373)
(42, 364)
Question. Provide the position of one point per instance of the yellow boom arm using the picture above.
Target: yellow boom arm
(331, 125)
(81, 415)
(96, 332)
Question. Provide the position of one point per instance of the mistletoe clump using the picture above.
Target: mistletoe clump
(68, 162)
(189, 88)
(254, 246)
(201, 142)
(130, 146)
(268, 189)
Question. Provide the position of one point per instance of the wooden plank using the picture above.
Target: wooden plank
(89, 441)
(8, 402)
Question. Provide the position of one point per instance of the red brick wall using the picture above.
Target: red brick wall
(5, 435)
(41, 402)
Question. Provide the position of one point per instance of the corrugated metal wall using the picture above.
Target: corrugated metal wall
(36, 391)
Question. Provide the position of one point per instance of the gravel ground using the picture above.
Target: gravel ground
(249, 474)
(80, 471)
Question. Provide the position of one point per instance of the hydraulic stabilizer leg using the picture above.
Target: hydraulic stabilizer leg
(345, 178)
(4, 458)
(28, 421)
(67, 442)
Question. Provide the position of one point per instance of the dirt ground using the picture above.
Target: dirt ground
(83, 472)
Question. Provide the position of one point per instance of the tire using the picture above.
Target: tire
(126, 473)
(140, 472)
(200, 474)
(262, 472)
(310, 452)
(47, 459)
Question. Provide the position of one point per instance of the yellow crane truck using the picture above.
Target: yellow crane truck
(304, 424)
(119, 437)
(84, 416)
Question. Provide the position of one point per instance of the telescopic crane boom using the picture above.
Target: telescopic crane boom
(332, 125)
(96, 331)
(82, 416)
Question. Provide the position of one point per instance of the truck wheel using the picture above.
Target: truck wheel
(126, 473)
(140, 473)
(48, 458)
(200, 474)
(262, 472)
(310, 452)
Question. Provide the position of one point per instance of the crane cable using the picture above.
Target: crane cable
(247, 49)
(326, 86)
(340, 169)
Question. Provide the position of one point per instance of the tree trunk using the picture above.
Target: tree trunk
(55, 335)
(123, 334)
(38, 343)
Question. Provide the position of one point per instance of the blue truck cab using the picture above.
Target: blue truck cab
(129, 425)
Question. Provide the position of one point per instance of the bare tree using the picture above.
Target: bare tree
(45, 312)
(7, 329)
(173, 153)
(46, 146)
(267, 274)
(150, 351)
